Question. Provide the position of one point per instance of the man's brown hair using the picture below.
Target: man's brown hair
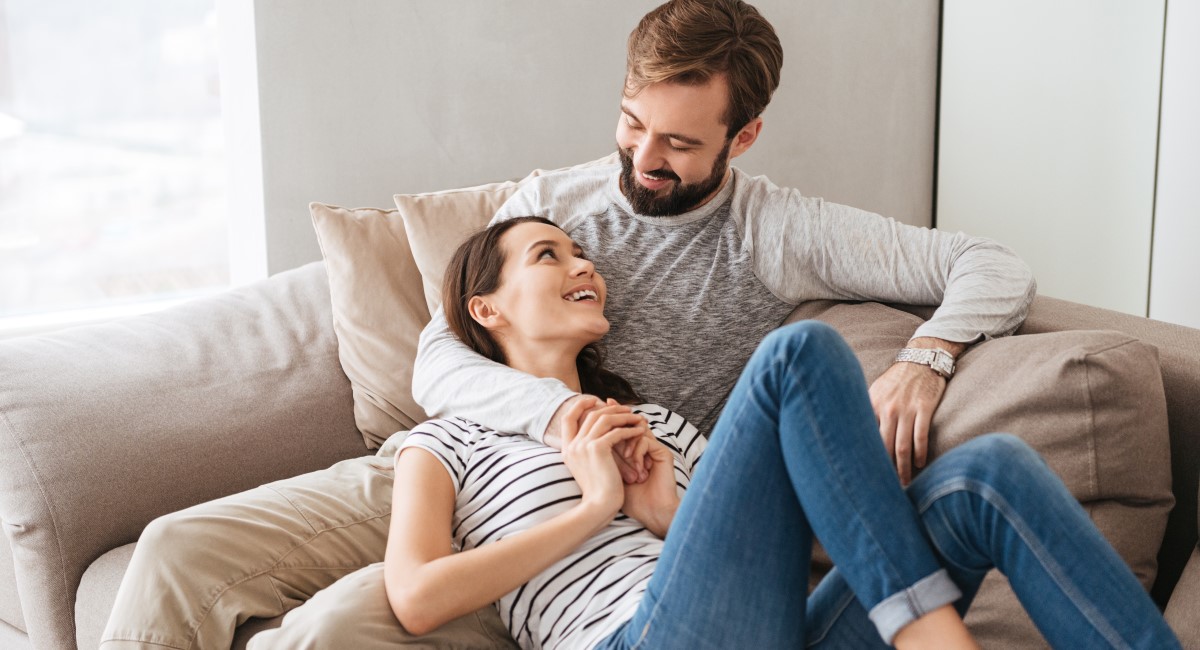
(690, 41)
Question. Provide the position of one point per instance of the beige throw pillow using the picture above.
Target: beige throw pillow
(438, 222)
(383, 290)
(378, 313)
(1090, 402)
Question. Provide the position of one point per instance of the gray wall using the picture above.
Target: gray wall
(357, 101)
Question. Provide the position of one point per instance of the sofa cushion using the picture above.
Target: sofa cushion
(97, 593)
(378, 313)
(13, 639)
(439, 221)
(385, 275)
(436, 222)
(1183, 612)
(10, 601)
(1090, 402)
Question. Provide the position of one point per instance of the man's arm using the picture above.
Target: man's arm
(807, 249)
(451, 379)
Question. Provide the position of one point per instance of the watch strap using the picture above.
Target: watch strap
(939, 360)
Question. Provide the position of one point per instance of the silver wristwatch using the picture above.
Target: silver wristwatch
(939, 360)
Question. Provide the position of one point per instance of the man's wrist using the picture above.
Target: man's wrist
(937, 354)
(928, 342)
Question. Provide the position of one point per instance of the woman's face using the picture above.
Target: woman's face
(548, 290)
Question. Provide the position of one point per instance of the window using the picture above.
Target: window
(112, 171)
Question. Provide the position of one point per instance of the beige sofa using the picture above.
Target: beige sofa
(105, 427)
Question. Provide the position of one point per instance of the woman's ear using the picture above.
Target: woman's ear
(484, 312)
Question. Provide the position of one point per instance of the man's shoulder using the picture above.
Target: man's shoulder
(561, 193)
(757, 198)
(592, 176)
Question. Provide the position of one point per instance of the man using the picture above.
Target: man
(703, 260)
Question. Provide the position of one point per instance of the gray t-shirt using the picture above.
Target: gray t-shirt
(691, 296)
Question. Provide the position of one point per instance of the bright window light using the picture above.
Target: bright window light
(112, 170)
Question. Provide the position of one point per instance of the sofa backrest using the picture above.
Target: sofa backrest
(104, 428)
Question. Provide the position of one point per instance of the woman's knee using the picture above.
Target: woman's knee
(811, 334)
(990, 459)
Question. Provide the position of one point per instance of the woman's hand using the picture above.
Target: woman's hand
(631, 458)
(589, 434)
(654, 502)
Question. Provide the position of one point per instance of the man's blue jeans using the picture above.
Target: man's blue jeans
(797, 453)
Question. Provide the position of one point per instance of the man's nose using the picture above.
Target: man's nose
(648, 156)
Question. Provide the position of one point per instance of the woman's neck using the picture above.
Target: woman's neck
(553, 361)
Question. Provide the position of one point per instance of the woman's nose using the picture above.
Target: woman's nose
(583, 267)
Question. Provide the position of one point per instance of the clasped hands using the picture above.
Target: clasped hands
(617, 461)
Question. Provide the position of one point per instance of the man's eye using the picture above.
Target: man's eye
(679, 147)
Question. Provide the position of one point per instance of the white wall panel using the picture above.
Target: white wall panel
(1049, 113)
(360, 100)
(1175, 272)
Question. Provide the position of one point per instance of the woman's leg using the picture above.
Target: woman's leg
(993, 503)
(199, 573)
(354, 613)
(797, 442)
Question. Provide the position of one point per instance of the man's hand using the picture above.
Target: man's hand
(905, 398)
(630, 455)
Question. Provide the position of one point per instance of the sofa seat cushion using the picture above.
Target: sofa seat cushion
(10, 600)
(97, 593)
(1183, 612)
(1090, 402)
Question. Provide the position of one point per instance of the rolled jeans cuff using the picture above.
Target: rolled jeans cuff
(904, 607)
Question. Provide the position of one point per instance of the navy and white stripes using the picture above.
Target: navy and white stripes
(508, 483)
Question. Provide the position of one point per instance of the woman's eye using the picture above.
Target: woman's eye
(549, 252)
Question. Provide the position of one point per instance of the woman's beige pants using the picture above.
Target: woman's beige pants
(311, 546)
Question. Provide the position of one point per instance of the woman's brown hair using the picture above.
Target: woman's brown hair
(475, 271)
(690, 41)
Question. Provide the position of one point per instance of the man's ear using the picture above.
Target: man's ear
(746, 137)
(484, 312)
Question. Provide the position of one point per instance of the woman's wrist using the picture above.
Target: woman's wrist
(663, 518)
(597, 513)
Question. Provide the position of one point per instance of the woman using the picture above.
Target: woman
(795, 453)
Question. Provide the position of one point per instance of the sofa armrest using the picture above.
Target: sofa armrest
(105, 427)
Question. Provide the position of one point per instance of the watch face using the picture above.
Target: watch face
(943, 364)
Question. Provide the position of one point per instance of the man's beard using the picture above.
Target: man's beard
(681, 197)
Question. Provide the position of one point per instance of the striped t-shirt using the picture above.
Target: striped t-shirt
(507, 483)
